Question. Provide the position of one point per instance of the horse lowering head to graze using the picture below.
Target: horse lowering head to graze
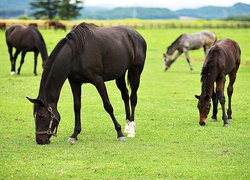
(25, 39)
(59, 25)
(222, 59)
(2, 25)
(49, 24)
(90, 54)
(186, 42)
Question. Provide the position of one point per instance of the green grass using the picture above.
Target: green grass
(169, 142)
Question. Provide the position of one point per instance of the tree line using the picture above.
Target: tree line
(64, 9)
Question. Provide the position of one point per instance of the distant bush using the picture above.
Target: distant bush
(23, 17)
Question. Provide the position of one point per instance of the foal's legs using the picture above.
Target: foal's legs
(220, 94)
(215, 107)
(188, 60)
(232, 77)
(100, 86)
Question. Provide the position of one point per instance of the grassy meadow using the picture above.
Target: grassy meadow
(169, 142)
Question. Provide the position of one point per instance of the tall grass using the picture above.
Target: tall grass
(169, 142)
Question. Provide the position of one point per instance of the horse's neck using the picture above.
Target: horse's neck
(51, 85)
(172, 48)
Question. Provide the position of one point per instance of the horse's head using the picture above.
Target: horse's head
(204, 108)
(167, 61)
(46, 121)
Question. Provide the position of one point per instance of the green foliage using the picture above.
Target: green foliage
(169, 144)
(238, 18)
(24, 18)
(66, 9)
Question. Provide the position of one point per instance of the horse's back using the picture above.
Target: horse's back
(21, 37)
(227, 53)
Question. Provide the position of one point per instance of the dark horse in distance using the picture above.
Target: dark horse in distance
(222, 59)
(90, 54)
(186, 42)
(25, 39)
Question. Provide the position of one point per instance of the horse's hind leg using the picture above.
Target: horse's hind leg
(220, 94)
(100, 86)
(22, 61)
(121, 84)
(134, 74)
(232, 77)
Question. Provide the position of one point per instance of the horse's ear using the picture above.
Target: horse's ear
(164, 55)
(198, 97)
(36, 101)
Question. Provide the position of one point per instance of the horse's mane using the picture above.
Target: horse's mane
(210, 67)
(169, 47)
(75, 39)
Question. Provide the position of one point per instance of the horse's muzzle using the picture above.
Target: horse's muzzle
(42, 140)
(202, 121)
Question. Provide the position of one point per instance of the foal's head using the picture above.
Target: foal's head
(167, 61)
(204, 108)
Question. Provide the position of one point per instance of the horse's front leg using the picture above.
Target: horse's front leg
(76, 90)
(101, 88)
(21, 62)
(13, 62)
(188, 60)
(35, 62)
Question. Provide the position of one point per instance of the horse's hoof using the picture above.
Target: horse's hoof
(121, 139)
(226, 125)
(213, 120)
(12, 72)
(229, 120)
(72, 140)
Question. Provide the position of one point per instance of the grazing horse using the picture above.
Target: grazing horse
(222, 59)
(2, 25)
(49, 23)
(25, 39)
(59, 25)
(186, 42)
(90, 54)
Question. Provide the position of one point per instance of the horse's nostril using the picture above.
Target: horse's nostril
(39, 141)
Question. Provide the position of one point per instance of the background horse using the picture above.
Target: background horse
(49, 24)
(25, 39)
(2, 25)
(59, 25)
(186, 42)
(222, 59)
(89, 54)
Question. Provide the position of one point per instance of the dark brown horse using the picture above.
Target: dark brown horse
(186, 42)
(25, 39)
(222, 59)
(2, 25)
(89, 54)
(59, 25)
(49, 24)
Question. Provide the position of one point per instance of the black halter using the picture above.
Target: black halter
(49, 131)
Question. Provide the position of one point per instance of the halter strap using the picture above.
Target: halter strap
(49, 131)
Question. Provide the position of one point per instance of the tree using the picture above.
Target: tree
(65, 9)
(69, 9)
(45, 8)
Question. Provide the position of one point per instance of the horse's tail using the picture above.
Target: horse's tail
(215, 38)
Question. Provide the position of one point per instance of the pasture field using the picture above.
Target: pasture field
(169, 142)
